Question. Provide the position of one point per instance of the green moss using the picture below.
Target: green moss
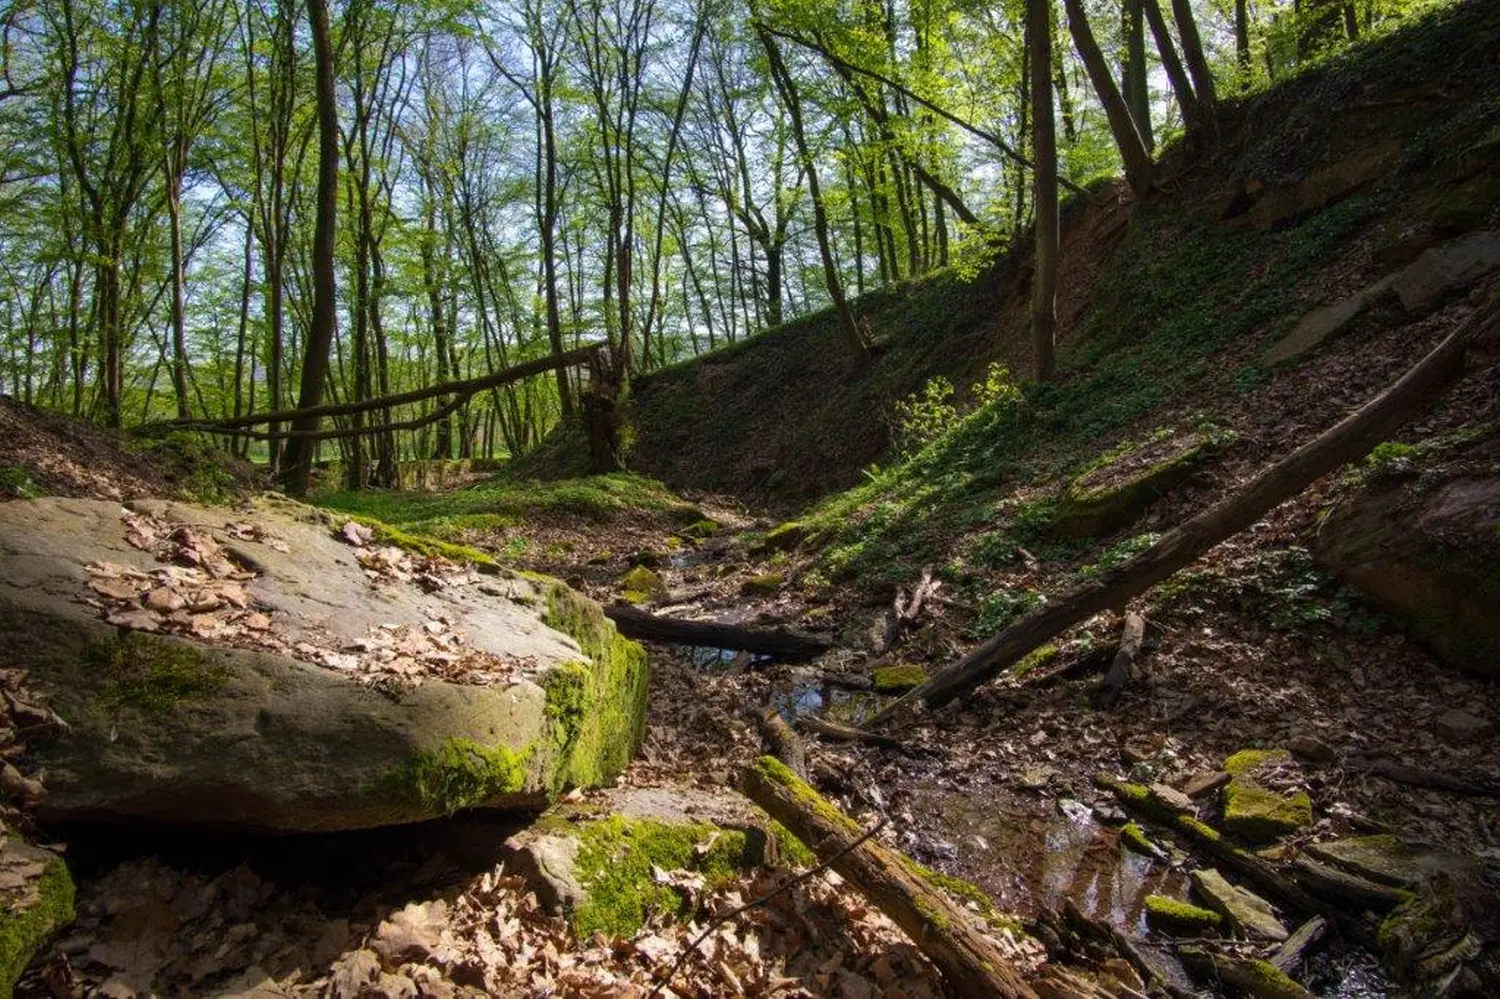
(1034, 660)
(1266, 981)
(1133, 837)
(154, 674)
(426, 545)
(898, 679)
(1101, 500)
(793, 852)
(766, 584)
(773, 770)
(700, 529)
(23, 931)
(17, 482)
(1249, 760)
(1259, 815)
(598, 706)
(1174, 915)
(786, 537)
(457, 775)
(641, 584)
(616, 858)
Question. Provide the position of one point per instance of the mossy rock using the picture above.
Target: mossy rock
(767, 584)
(1172, 915)
(1133, 837)
(1117, 489)
(1247, 761)
(598, 862)
(898, 679)
(1383, 859)
(1257, 814)
(786, 537)
(642, 584)
(32, 911)
(700, 530)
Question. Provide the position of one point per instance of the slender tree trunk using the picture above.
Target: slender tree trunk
(1137, 93)
(1121, 124)
(1192, 52)
(1044, 155)
(848, 329)
(179, 292)
(1182, 87)
(1242, 41)
(297, 475)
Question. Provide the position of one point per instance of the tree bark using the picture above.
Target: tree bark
(789, 646)
(1044, 186)
(968, 959)
(297, 475)
(1123, 666)
(1121, 125)
(1197, 63)
(1182, 87)
(1137, 93)
(1346, 441)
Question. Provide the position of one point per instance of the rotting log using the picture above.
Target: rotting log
(1295, 949)
(970, 960)
(1251, 976)
(1431, 779)
(791, 646)
(783, 743)
(1348, 440)
(847, 733)
(1132, 637)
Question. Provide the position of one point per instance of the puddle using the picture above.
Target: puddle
(815, 696)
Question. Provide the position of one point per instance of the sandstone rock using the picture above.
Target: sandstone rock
(1257, 814)
(642, 584)
(1382, 859)
(767, 584)
(1245, 910)
(1429, 553)
(1459, 728)
(1174, 799)
(1446, 268)
(1311, 749)
(1320, 324)
(164, 729)
(1201, 785)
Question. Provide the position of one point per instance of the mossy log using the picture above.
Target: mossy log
(783, 743)
(970, 960)
(1258, 979)
(791, 646)
(1349, 439)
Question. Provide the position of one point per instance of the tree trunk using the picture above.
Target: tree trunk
(1346, 441)
(848, 329)
(297, 475)
(1137, 93)
(788, 646)
(1242, 41)
(968, 959)
(1197, 63)
(1182, 87)
(1044, 180)
(1121, 125)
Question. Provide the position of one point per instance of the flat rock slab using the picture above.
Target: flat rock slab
(1247, 911)
(304, 727)
(1449, 267)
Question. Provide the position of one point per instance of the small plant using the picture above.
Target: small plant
(923, 417)
(16, 482)
(999, 609)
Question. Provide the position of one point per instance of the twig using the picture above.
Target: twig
(791, 882)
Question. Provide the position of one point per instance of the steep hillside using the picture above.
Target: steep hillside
(1313, 189)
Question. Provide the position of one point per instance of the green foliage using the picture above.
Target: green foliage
(1001, 608)
(200, 470)
(24, 929)
(16, 483)
(1118, 554)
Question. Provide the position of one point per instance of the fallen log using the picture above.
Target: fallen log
(1251, 976)
(1431, 779)
(1346, 441)
(792, 646)
(847, 733)
(971, 961)
(1290, 955)
(1132, 637)
(782, 742)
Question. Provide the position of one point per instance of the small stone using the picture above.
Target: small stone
(1172, 798)
(767, 584)
(1257, 814)
(1203, 784)
(1248, 912)
(1110, 815)
(1313, 750)
(1458, 728)
(1035, 778)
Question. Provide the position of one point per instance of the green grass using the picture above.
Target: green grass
(498, 503)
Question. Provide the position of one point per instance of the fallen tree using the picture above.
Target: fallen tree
(1348, 440)
(971, 961)
(236, 426)
(791, 646)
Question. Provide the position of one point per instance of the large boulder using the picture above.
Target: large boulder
(1426, 548)
(273, 668)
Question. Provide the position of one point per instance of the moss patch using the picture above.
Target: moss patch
(1134, 838)
(23, 930)
(1038, 658)
(598, 706)
(457, 775)
(1258, 815)
(1247, 761)
(1175, 916)
(641, 584)
(616, 857)
(773, 770)
(154, 674)
(786, 537)
(898, 679)
(767, 584)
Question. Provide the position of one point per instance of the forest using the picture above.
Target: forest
(634, 498)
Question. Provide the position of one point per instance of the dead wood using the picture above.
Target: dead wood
(1238, 972)
(1122, 669)
(847, 733)
(791, 646)
(1431, 779)
(908, 608)
(782, 742)
(1294, 950)
(970, 960)
(1348, 440)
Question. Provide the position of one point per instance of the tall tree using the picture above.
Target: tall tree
(297, 473)
(1121, 124)
(1044, 197)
